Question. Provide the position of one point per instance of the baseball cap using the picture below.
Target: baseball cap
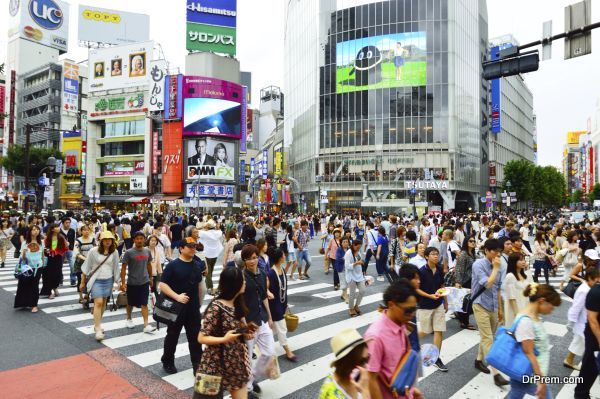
(591, 254)
(187, 242)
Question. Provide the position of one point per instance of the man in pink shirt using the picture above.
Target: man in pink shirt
(400, 301)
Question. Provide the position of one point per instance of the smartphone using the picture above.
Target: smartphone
(242, 330)
(355, 375)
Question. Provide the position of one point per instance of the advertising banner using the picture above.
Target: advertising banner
(252, 165)
(138, 184)
(278, 163)
(244, 119)
(172, 157)
(155, 153)
(101, 25)
(209, 158)
(118, 104)
(265, 165)
(212, 107)
(495, 88)
(138, 167)
(376, 62)
(158, 71)
(2, 95)
(124, 168)
(573, 137)
(211, 38)
(71, 147)
(70, 100)
(173, 96)
(120, 67)
(212, 12)
(242, 170)
(45, 22)
(209, 191)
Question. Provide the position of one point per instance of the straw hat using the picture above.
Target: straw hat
(106, 235)
(344, 342)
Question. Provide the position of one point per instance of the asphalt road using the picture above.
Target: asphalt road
(62, 328)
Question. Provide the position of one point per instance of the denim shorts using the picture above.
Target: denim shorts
(291, 257)
(101, 288)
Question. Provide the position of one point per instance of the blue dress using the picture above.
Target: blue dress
(278, 287)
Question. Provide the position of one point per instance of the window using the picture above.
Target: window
(125, 128)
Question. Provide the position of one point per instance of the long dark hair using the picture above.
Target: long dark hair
(28, 237)
(230, 283)
(512, 265)
(62, 242)
(465, 246)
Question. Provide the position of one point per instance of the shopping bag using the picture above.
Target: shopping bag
(267, 367)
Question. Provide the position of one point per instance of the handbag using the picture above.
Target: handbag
(121, 299)
(166, 309)
(322, 251)
(291, 320)
(507, 355)
(405, 374)
(209, 386)
(571, 287)
(22, 269)
(86, 295)
(467, 305)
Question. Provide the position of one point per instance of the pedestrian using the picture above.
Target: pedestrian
(176, 230)
(303, 238)
(540, 256)
(98, 274)
(181, 282)
(158, 259)
(257, 298)
(230, 241)
(55, 247)
(397, 249)
(351, 353)
(331, 254)
(212, 240)
(263, 258)
(399, 307)
(137, 265)
(572, 256)
(534, 340)
(69, 234)
(83, 246)
(577, 318)
(370, 242)
(485, 286)
(432, 307)
(279, 304)
(515, 282)
(291, 243)
(326, 237)
(6, 235)
(32, 250)
(354, 277)
(383, 250)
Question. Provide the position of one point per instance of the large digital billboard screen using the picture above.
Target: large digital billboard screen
(377, 62)
(210, 159)
(212, 107)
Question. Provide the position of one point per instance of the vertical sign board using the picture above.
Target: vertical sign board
(11, 104)
(70, 100)
(211, 26)
(265, 165)
(158, 71)
(172, 154)
(173, 97)
(2, 94)
(242, 171)
(495, 95)
(244, 119)
(251, 168)
(155, 153)
(591, 165)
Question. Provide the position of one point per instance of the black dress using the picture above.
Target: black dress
(28, 291)
(52, 274)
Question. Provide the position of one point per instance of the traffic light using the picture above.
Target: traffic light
(521, 63)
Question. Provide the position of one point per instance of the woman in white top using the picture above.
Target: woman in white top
(158, 259)
(577, 317)
(540, 248)
(6, 234)
(514, 284)
(212, 240)
(572, 256)
(354, 275)
(100, 271)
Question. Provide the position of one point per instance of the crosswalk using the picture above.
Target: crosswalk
(321, 314)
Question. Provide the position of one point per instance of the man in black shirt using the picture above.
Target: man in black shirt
(589, 364)
(180, 281)
(257, 298)
(176, 232)
(69, 234)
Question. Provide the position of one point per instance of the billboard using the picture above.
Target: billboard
(45, 22)
(573, 137)
(210, 158)
(211, 26)
(172, 157)
(212, 12)
(118, 104)
(120, 67)
(101, 25)
(173, 97)
(158, 71)
(212, 107)
(394, 60)
(2, 95)
(209, 191)
(70, 92)
(126, 168)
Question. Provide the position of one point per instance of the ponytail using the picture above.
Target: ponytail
(535, 291)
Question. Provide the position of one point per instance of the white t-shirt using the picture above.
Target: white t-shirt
(452, 247)
(524, 231)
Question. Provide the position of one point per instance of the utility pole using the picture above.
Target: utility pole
(27, 145)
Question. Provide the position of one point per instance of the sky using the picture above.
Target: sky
(565, 92)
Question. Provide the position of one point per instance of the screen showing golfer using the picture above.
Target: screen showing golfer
(378, 62)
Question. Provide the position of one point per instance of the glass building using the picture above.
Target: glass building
(385, 96)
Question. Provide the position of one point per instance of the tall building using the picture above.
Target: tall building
(386, 96)
(511, 135)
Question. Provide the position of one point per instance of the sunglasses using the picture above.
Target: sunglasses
(471, 240)
(408, 309)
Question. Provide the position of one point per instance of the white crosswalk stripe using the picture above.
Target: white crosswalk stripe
(318, 325)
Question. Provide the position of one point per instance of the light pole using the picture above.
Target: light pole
(319, 179)
(50, 166)
(508, 199)
(93, 199)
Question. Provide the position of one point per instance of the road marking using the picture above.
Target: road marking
(306, 288)
(568, 390)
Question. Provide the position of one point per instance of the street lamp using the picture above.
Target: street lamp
(319, 179)
(93, 199)
(50, 166)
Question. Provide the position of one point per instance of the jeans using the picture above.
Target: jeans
(367, 259)
(538, 265)
(190, 319)
(304, 254)
(381, 265)
(518, 390)
(70, 257)
(210, 265)
(263, 337)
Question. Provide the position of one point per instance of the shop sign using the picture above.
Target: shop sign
(119, 105)
(138, 184)
(427, 185)
(209, 191)
(157, 85)
(173, 96)
(155, 153)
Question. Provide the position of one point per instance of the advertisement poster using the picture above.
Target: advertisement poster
(394, 60)
(45, 22)
(212, 107)
(118, 104)
(209, 158)
(101, 25)
(212, 12)
(158, 71)
(173, 96)
(172, 157)
(209, 191)
(70, 101)
(211, 26)
(120, 67)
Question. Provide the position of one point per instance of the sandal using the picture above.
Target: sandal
(571, 366)
(353, 313)
(468, 327)
(357, 310)
(293, 359)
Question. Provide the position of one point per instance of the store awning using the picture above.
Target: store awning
(138, 199)
(166, 197)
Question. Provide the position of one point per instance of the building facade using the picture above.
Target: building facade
(386, 96)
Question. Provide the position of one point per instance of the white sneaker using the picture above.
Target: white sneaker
(99, 335)
(380, 278)
(129, 323)
(149, 329)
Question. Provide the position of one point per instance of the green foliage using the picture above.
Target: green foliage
(544, 185)
(595, 193)
(577, 196)
(15, 159)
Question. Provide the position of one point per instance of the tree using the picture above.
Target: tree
(577, 196)
(520, 173)
(595, 193)
(14, 160)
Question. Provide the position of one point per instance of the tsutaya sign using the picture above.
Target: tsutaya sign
(427, 185)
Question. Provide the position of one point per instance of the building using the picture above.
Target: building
(386, 96)
(574, 160)
(512, 131)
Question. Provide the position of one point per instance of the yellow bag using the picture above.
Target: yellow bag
(291, 320)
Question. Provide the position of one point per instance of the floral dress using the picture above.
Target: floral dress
(235, 367)
(331, 390)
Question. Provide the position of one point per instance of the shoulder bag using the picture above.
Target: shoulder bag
(405, 374)
(209, 386)
(167, 309)
(468, 300)
(86, 295)
(571, 287)
(507, 355)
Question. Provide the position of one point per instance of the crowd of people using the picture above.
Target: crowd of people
(485, 265)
